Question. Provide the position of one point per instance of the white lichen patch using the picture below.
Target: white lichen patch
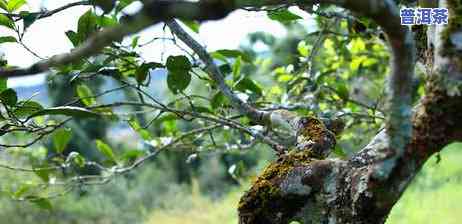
(292, 184)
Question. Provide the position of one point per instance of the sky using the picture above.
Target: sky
(47, 37)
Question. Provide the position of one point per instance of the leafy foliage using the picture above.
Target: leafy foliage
(335, 69)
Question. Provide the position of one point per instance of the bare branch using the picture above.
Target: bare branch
(215, 73)
(46, 13)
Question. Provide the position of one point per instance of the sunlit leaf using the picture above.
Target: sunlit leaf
(357, 45)
(106, 150)
(141, 131)
(237, 68)
(14, 5)
(3, 5)
(106, 21)
(283, 15)
(85, 94)
(303, 49)
(61, 139)
(6, 22)
(24, 188)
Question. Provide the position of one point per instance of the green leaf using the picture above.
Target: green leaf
(143, 71)
(14, 5)
(178, 81)
(122, 4)
(44, 174)
(105, 5)
(178, 78)
(342, 91)
(303, 49)
(9, 97)
(73, 37)
(225, 69)
(357, 45)
(132, 155)
(283, 15)
(8, 39)
(178, 63)
(137, 127)
(61, 139)
(193, 25)
(86, 95)
(79, 160)
(67, 111)
(86, 25)
(339, 152)
(27, 108)
(249, 84)
(106, 150)
(24, 188)
(218, 100)
(6, 22)
(135, 40)
(237, 68)
(4, 5)
(43, 203)
(3, 84)
(106, 21)
(28, 18)
(200, 109)
(232, 54)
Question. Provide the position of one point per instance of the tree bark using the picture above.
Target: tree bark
(364, 188)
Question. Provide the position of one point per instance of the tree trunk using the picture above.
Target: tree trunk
(364, 188)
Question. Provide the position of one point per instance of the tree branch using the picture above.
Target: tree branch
(46, 13)
(215, 73)
(152, 12)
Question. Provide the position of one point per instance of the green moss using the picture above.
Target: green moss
(264, 202)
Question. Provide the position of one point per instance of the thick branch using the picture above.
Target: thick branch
(152, 12)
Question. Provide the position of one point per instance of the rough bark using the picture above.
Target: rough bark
(364, 188)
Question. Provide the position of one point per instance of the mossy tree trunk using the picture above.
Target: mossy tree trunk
(364, 188)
